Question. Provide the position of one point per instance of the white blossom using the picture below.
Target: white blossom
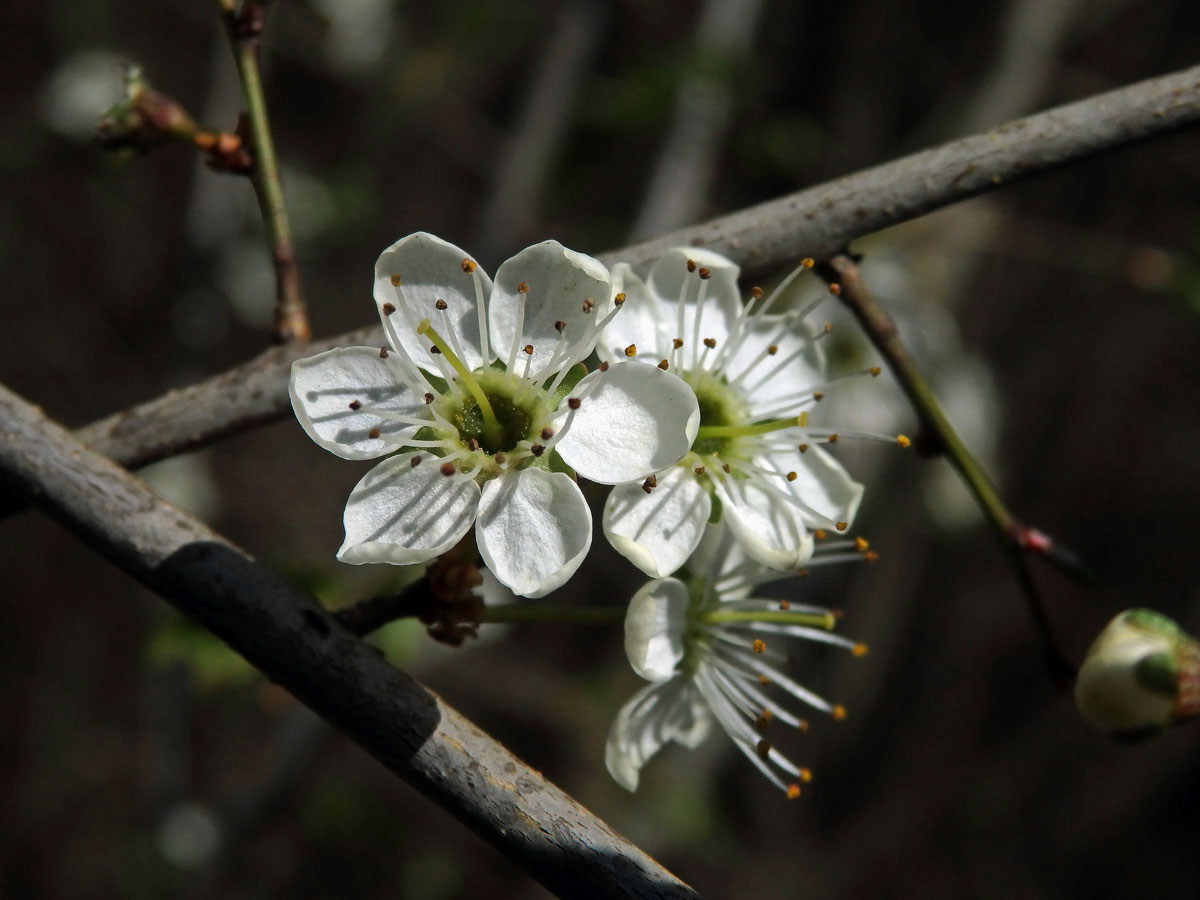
(482, 408)
(712, 652)
(757, 462)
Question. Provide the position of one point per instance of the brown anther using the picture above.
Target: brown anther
(428, 398)
(699, 470)
(528, 349)
(833, 438)
(691, 265)
(537, 449)
(650, 484)
(500, 459)
(663, 364)
(415, 461)
(705, 274)
(573, 402)
(835, 289)
(603, 367)
(383, 352)
(861, 544)
(710, 343)
(841, 526)
(440, 303)
(818, 396)
(389, 308)
(791, 476)
(473, 444)
(758, 646)
(547, 433)
(434, 349)
(588, 304)
(725, 466)
(560, 326)
(820, 534)
(756, 292)
(903, 440)
(793, 791)
(772, 350)
(871, 556)
(875, 370)
(468, 266)
(763, 721)
(448, 469)
(763, 749)
(802, 726)
(619, 298)
(802, 573)
(764, 680)
(523, 288)
(803, 448)
(354, 404)
(373, 433)
(829, 328)
(677, 343)
(631, 350)
(860, 650)
(396, 281)
(838, 713)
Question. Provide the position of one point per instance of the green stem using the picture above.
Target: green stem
(245, 30)
(842, 272)
(552, 613)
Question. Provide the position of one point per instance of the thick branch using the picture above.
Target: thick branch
(816, 222)
(285, 633)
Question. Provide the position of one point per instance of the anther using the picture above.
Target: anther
(588, 304)
(807, 262)
(764, 680)
(560, 326)
(699, 470)
(528, 349)
(373, 433)
(903, 441)
(791, 476)
(763, 721)
(354, 404)
(631, 350)
(396, 281)
(758, 646)
(818, 396)
(619, 298)
(803, 448)
(428, 398)
(547, 433)
(763, 749)
(435, 350)
(829, 328)
(415, 461)
(389, 308)
(448, 469)
(842, 526)
(833, 438)
(650, 484)
(603, 367)
(725, 466)
(537, 449)
(439, 303)
(523, 288)
(500, 459)
(663, 364)
(793, 791)
(772, 350)
(383, 353)
(820, 534)
(802, 726)
(468, 266)
(802, 573)
(710, 343)
(860, 650)
(835, 289)
(871, 556)
(573, 402)
(875, 370)
(677, 343)
(838, 713)
(861, 544)
(756, 292)
(691, 265)
(473, 444)
(705, 274)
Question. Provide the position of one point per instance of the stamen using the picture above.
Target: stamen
(490, 424)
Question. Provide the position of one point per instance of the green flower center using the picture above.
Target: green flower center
(516, 416)
(719, 410)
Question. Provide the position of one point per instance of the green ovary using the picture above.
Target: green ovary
(718, 406)
(517, 417)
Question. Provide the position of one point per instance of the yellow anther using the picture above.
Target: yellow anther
(875, 370)
(833, 439)
(631, 350)
(838, 713)
(396, 281)
(468, 266)
(783, 604)
(619, 299)
(871, 556)
(861, 544)
(903, 440)
(860, 650)
(806, 775)
(758, 646)
(807, 262)
(523, 288)
(820, 534)
(842, 526)
(835, 289)
(793, 791)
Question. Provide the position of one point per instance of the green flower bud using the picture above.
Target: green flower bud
(1141, 675)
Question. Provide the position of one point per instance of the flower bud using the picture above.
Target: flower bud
(1141, 675)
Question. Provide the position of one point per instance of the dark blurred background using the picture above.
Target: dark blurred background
(1060, 319)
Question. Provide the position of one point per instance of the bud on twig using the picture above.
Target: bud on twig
(1141, 675)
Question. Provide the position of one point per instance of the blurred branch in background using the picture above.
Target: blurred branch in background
(244, 29)
(687, 159)
(287, 635)
(818, 221)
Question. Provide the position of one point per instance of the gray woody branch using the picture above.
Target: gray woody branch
(817, 222)
(285, 633)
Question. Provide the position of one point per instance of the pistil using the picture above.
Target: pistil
(491, 424)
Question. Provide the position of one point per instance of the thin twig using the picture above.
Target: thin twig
(245, 38)
(283, 631)
(815, 222)
(939, 435)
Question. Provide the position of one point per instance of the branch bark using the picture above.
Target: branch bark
(816, 222)
(285, 633)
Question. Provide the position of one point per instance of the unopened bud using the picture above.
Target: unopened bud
(1141, 675)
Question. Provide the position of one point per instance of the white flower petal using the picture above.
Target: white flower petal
(654, 626)
(559, 281)
(822, 484)
(404, 514)
(781, 381)
(640, 322)
(670, 278)
(534, 530)
(635, 419)
(658, 531)
(669, 711)
(766, 525)
(322, 387)
(430, 269)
